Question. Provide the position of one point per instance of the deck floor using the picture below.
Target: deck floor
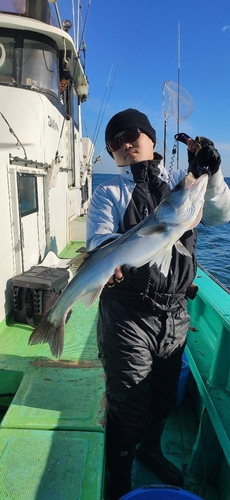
(80, 351)
(178, 436)
(177, 443)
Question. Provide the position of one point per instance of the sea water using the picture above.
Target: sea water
(213, 244)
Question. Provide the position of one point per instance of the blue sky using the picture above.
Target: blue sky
(132, 49)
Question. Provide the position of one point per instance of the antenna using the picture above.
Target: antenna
(176, 102)
(74, 25)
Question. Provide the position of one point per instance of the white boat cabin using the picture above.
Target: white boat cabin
(45, 174)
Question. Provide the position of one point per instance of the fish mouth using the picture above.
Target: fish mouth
(199, 182)
(185, 200)
(191, 187)
(197, 187)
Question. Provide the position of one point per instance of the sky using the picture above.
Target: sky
(134, 47)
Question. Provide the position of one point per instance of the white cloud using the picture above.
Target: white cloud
(226, 28)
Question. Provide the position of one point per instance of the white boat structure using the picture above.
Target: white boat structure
(46, 174)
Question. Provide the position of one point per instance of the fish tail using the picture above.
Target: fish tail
(46, 332)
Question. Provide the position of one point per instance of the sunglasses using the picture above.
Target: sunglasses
(130, 135)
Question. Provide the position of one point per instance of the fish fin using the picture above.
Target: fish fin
(46, 332)
(149, 230)
(181, 249)
(162, 259)
(165, 263)
(77, 262)
(89, 298)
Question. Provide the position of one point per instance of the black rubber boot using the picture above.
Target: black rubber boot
(119, 462)
(161, 466)
(120, 453)
(150, 454)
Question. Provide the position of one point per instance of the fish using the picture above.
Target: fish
(151, 241)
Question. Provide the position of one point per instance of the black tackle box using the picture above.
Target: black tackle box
(35, 291)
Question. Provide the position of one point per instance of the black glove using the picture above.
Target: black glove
(206, 160)
(127, 271)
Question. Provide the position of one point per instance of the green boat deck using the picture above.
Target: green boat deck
(52, 433)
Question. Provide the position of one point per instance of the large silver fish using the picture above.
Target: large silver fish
(149, 241)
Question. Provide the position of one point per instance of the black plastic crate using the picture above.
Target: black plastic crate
(36, 291)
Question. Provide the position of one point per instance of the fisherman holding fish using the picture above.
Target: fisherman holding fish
(143, 318)
(140, 260)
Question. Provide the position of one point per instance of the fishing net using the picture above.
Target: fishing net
(177, 102)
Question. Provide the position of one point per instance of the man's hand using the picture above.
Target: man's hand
(202, 155)
(118, 276)
(193, 146)
(121, 273)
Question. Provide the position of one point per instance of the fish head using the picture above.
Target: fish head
(184, 203)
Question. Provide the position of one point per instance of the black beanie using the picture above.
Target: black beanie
(129, 118)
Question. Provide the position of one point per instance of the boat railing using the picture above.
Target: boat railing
(207, 349)
(214, 279)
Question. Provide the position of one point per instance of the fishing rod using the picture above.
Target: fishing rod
(102, 111)
(106, 105)
(178, 90)
(97, 127)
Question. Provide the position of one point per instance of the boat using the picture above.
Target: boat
(53, 413)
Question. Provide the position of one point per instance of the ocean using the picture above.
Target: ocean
(213, 245)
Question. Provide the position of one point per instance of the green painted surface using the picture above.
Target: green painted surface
(70, 251)
(208, 350)
(46, 465)
(80, 340)
(52, 412)
(45, 393)
(71, 399)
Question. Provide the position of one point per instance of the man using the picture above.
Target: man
(143, 319)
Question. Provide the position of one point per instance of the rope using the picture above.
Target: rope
(13, 133)
(102, 116)
(102, 111)
(84, 26)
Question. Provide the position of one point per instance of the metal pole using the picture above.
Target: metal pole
(58, 14)
(74, 23)
(165, 142)
(78, 26)
(178, 94)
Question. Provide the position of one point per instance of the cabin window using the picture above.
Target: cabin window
(13, 6)
(27, 193)
(29, 62)
(40, 66)
(6, 59)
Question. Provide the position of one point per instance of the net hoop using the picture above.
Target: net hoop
(176, 102)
